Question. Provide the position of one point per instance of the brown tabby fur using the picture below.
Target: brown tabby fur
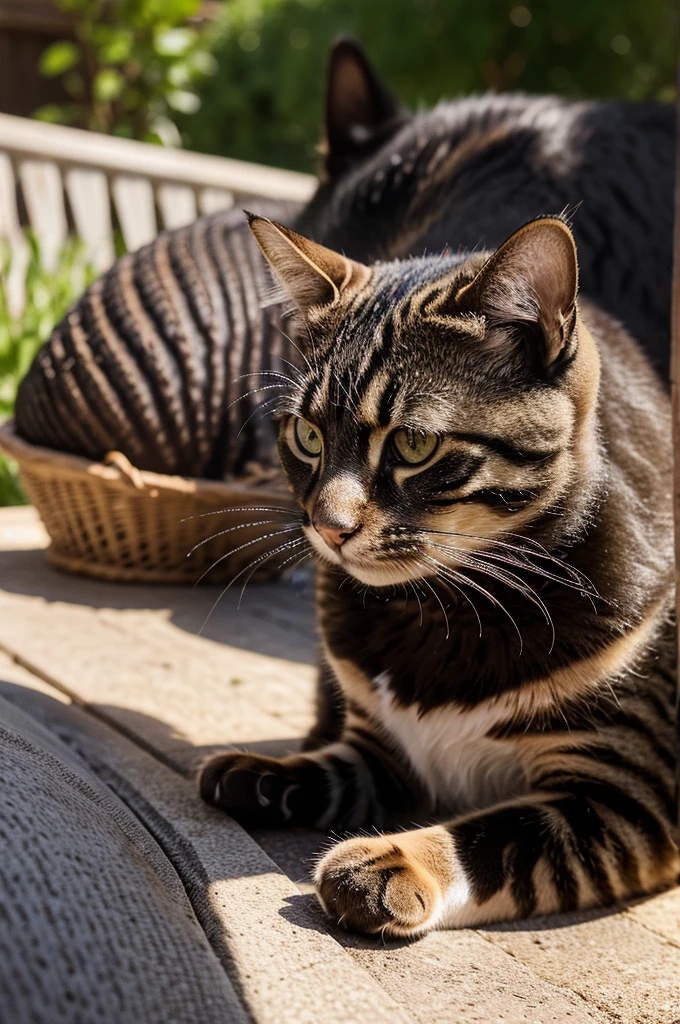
(496, 614)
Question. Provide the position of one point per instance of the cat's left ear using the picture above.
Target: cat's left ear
(312, 275)
(531, 279)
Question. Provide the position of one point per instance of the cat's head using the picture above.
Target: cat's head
(442, 403)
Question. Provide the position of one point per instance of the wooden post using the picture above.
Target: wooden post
(675, 394)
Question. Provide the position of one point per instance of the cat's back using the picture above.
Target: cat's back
(469, 172)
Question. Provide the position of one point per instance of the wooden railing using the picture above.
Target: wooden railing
(64, 179)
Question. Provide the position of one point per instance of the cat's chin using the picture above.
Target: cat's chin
(382, 574)
(374, 573)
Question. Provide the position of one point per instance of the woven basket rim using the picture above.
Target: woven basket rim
(63, 463)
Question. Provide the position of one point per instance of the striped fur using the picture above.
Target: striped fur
(154, 357)
(496, 615)
(514, 682)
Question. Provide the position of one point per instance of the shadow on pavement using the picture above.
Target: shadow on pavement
(285, 608)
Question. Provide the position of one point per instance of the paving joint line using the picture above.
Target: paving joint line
(606, 1013)
(648, 928)
(91, 709)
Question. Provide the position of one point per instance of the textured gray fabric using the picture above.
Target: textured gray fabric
(95, 926)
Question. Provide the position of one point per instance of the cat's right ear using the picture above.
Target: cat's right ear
(532, 280)
(312, 275)
(361, 112)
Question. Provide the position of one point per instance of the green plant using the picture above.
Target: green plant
(10, 488)
(49, 294)
(132, 65)
(265, 102)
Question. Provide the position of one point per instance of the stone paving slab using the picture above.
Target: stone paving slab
(133, 656)
(119, 651)
(457, 976)
(607, 958)
(660, 915)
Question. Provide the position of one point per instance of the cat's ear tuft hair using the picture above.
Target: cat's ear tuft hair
(311, 274)
(531, 279)
(361, 112)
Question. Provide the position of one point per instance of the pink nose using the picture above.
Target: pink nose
(335, 536)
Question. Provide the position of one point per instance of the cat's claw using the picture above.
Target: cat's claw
(256, 790)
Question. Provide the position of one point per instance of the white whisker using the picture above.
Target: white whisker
(430, 587)
(256, 391)
(242, 508)
(249, 543)
(260, 408)
(241, 526)
(279, 568)
(460, 577)
(261, 558)
(470, 561)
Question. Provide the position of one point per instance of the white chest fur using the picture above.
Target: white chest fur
(449, 749)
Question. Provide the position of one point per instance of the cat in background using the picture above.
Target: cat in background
(469, 172)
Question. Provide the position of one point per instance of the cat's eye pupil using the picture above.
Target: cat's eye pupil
(307, 437)
(414, 446)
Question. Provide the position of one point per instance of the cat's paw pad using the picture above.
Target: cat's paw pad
(379, 885)
(259, 790)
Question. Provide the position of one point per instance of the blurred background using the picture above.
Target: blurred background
(245, 79)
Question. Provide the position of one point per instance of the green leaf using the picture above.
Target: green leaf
(108, 85)
(58, 58)
(73, 5)
(54, 113)
(163, 131)
(173, 42)
(172, 12)
(10, 488)
(131, 99)
(179, 74)
(202, 63)
(48, 295)
(184, 101)
(116, 47)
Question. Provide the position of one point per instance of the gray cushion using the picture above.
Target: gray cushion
(95, 926)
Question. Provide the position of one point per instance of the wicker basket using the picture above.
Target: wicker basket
(116, 522)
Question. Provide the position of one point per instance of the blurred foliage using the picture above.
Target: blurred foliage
(132, 66)
(265, 102)
(49, 294)
(10, 488)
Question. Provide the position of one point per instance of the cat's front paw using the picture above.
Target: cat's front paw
(392, 884)
(259, 791)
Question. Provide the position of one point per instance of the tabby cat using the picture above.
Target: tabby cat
(483, 470)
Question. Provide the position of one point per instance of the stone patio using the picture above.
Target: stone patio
(153, 688)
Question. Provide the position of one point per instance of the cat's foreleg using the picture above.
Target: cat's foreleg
(330, 710)
(587, 846)
(354, 782)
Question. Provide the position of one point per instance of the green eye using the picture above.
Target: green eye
(307, 437)
(414, 446)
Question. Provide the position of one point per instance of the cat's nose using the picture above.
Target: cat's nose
(335, 534)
